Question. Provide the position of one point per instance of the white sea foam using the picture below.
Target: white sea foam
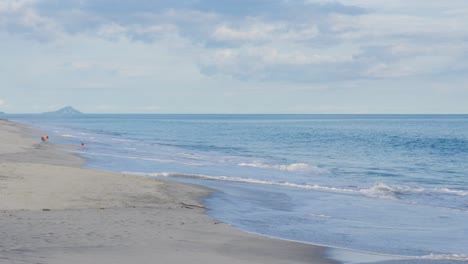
(379, 190)
(68, 136)
(245, 180)
(320, 215)
(127, 157)
(450, 191)
(122, 140)
(142, 158)
(456, 257)
(300, 167)
(133, 149)
(352, 256)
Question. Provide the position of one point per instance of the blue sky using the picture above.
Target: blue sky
(244, 56)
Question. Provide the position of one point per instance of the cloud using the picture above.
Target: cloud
(271, 56)
(148, 33)
(194, 19)
(378, 26)
(21, 17)
(7, 6)
(255, 31)
(335, 7)
(2, 102)
(290, 41)
(271, 62)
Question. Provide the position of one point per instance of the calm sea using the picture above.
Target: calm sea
(393, 184)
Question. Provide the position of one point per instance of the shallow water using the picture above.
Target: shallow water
(394, 184)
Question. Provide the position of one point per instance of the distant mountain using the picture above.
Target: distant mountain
(66, 111)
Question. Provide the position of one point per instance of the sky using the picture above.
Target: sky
(234, 56)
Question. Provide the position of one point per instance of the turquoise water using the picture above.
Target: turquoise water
(393, 184)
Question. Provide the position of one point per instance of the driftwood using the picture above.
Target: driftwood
(191, 206)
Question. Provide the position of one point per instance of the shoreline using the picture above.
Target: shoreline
(54, 211)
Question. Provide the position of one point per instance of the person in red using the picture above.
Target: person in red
(44, 138)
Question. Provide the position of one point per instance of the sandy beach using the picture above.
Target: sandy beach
(54, 211)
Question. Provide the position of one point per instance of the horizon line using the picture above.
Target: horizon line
(117, 113)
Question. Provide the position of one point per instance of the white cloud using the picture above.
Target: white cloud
(111, 30)
(384, 26)
(412, 66)
(421, 6)
(293, 62)
(2, 102)
(7, 6)
(116, 31)
(261, 31)
(396, 44)
(22, 18)
(226, 33)
(271, 55)
(259, 42)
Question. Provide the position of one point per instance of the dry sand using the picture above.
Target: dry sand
(53, 211)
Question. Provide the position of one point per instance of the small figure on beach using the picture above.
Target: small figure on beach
(44, 138)
(82, 144)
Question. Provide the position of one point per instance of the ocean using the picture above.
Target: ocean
(387, 184)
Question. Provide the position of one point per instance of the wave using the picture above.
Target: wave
(320, 215)
(455, 257)
(299, 167)
(68, 136)
(126, 157)
(122, 140)
(379, 190)
(244, 180)
(450, 191)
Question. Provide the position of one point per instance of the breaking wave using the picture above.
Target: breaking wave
(450, 191)
(244, 180)
(379, 190)
(455, 257)
(300, 167)
(68, 136)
